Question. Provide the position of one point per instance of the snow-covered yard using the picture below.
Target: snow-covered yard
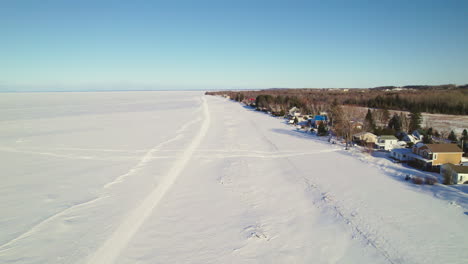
(179, 177)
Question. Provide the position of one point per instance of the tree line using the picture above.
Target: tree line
(445, 99)
(445, 105)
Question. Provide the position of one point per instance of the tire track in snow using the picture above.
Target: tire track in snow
(113, 246)
(149, 155)
(103, 150)
(119, 179)
(50, 154)
(145, 159)
(271, 155)
(35, 228)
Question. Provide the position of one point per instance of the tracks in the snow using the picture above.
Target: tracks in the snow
(326, 201)
(142, 161)
(113, 246)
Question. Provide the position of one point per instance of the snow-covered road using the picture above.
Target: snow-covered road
(178, 177)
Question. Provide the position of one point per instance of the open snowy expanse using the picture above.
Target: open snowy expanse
(179, 177)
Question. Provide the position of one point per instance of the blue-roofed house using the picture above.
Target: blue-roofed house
(315, 122)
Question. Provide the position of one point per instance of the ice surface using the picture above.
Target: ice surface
(179, 177)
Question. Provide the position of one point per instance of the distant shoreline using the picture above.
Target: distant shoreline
(103, 91)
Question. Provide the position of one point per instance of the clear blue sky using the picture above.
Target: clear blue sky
(83, 45)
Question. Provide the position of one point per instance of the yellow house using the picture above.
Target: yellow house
(434, 155)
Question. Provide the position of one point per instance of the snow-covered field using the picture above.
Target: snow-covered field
(178, 177)
(440, 122)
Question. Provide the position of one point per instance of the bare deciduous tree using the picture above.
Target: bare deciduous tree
(405, 122)
(343, 122)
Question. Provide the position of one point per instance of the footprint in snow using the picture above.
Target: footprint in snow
(255, 232)
(327, 197)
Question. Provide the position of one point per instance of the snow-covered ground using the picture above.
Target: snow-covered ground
(178, 177)
(440, 122)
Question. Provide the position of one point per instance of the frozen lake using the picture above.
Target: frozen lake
(179, 177)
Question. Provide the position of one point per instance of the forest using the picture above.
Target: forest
(443, 99)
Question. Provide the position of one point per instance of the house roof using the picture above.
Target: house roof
(294, 109)
(320, 118)
(363, 133)
(435, 148)
(401, 150)
(458, 169)
(388, 137)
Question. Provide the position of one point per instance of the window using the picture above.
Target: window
(435, 156)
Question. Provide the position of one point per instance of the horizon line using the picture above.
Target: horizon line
(211, 89)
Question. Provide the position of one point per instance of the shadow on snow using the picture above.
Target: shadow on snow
(455, 195)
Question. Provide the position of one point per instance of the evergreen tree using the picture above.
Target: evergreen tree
(369, 121)
(415, 120)
(464, 135)
(427, 139)
(430, 132)
(322, 130)
(464, 140)
(395, 123)
(452, 136)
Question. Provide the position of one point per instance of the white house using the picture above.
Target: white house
(294, 111)
(459, 173)
(409, 138)
(417, 135)
(386, 142)
(401, 154)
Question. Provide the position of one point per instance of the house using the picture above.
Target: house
(434, 155)
(294, 112)
(315, 122)
(365, 138)
(459, 173)
(408, 138)
(386, 142)
(401, 154)
(417, 135)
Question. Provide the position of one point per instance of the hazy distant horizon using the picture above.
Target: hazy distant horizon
(113, 89)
